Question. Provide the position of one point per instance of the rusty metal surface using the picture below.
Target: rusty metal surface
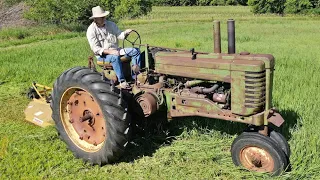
(217, 62)
(256, 159)
(86, 118)
(171, 49)
(148, 103)
(217, 37)
(244, 53)
(247, 76)
(189, 104)
(91, 64)
(275, 118)
(248, 92)
(264, 131)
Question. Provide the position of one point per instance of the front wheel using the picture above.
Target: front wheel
(259, 153)
(91, 116)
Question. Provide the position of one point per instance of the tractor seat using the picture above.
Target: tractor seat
(108, 65)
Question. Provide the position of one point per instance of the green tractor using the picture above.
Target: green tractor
(94, 117)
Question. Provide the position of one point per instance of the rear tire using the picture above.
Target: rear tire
(101, 146)
(259, 153)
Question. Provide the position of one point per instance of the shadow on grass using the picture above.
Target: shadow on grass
(148, 135)
(157, 132)
(291, 118)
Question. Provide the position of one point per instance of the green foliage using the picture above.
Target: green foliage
(287, 6)
(315, 11)
(231, 2)
(132, 8)
(203, 2)
(79, 11)
(296, 6)
(60, 11)
(243, 2)
(188, 2)
(267, 6)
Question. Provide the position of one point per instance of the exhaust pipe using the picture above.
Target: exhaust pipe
(216, 37)
(231, 37)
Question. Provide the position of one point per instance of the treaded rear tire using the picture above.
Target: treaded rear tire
(114, 109)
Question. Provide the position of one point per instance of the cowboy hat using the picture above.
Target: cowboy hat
(98, 12)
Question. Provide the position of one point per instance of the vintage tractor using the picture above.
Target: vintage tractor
(94, 117)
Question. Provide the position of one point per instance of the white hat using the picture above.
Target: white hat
(98, 12)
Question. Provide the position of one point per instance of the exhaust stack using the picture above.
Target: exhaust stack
(217, 37)
(231, 37)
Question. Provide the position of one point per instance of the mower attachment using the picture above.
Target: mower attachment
(38, 110)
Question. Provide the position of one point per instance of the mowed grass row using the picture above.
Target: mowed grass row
(201, 149)
(26, 35)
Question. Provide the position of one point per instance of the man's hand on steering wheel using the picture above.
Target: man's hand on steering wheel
(127, 32)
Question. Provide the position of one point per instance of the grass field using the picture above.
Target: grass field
(200, 149)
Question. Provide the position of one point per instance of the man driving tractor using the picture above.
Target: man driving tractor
(103, 36)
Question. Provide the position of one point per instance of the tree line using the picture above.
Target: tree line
(78, 11)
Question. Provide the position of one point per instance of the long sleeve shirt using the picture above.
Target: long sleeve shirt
(106, 37)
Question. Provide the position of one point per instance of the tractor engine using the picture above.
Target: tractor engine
(218, 92)
(232, 81)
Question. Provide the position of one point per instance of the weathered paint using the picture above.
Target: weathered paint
(246, 65)
(246, 73)
(39, 113)
(203, 104)
(217, 37)
(168, 97)
(192, 72)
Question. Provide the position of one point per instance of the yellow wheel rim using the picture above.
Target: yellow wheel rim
(256, 159)
(82, 119)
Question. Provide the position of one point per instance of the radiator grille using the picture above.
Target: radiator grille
(255, 93)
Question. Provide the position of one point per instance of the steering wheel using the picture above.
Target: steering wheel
(134, 41)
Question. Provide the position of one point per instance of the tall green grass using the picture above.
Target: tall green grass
(27, 35)
(201, 146)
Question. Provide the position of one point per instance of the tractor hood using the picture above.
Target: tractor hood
(217, 67)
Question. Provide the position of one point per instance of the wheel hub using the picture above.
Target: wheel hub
(256, 159)
(83, 119)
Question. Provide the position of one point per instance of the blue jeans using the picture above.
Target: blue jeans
(134, 53)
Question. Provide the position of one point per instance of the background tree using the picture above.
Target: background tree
(65, 12)
(267, 6)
